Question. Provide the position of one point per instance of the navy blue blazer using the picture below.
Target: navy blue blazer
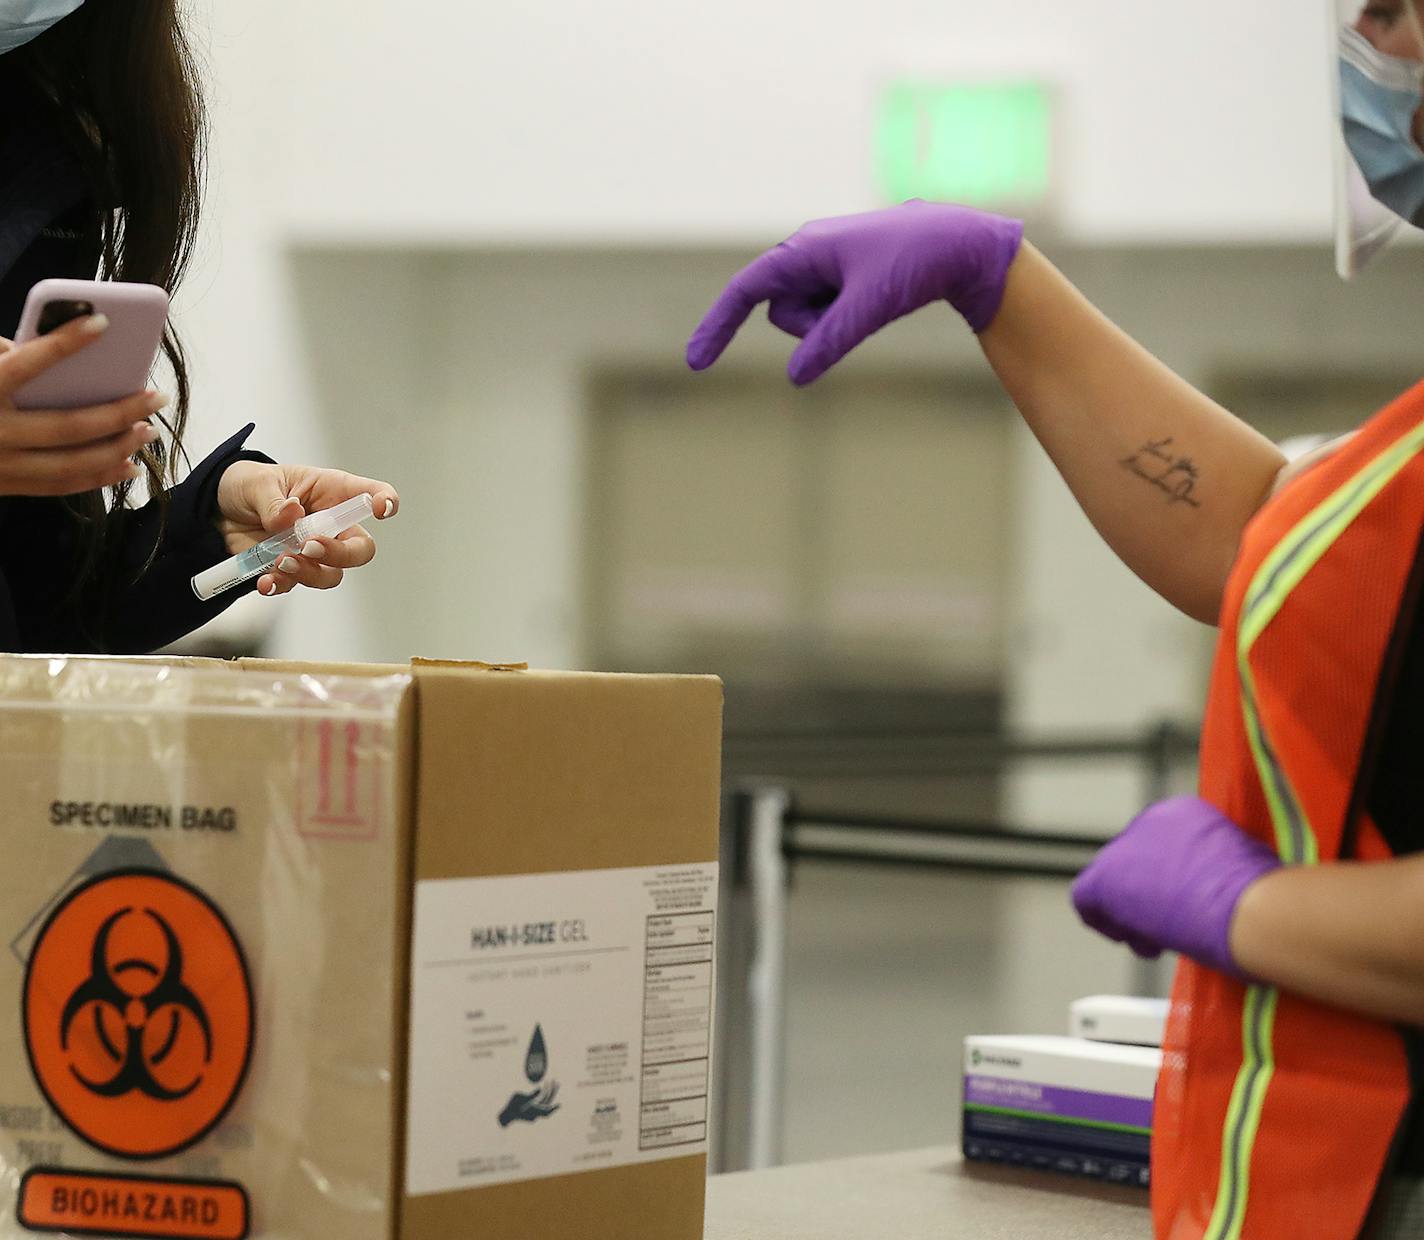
(47, 229)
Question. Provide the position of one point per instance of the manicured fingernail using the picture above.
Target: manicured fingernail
(390, 508)
(95, 324)
(145, 432)
(288, 564)
(157, 401)
(313, 550)
(269, 589)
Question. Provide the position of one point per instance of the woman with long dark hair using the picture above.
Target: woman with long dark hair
(101, 175)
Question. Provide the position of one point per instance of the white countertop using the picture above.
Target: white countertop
(922, 1195)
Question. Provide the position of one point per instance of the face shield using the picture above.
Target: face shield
(23, 20)
(1378, 80)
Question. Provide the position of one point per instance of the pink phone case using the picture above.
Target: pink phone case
(116, 365)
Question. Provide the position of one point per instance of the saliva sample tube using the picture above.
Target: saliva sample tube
(328, 523)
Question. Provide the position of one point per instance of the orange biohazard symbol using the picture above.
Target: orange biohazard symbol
(138, 1013)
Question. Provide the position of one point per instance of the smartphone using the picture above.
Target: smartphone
(118, 364)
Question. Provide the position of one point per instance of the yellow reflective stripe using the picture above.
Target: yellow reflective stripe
(1295, 841)
(1281, 571)
(1243, 1115)
(1302, 548)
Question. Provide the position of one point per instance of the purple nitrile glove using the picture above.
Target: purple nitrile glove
(1172, 880)
(838, 281)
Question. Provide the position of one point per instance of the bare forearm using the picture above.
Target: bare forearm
(1349, 934)
(1167, 476)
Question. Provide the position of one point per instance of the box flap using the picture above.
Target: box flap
(553, 771)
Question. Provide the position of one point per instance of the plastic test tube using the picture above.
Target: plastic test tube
(255, 561)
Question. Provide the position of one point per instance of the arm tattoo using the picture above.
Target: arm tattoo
(1174, 475)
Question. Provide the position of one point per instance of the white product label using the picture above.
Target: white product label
(559, 1023)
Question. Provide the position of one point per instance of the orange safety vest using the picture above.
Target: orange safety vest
(1275, 1114)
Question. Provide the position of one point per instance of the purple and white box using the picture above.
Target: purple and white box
(1061, 1104)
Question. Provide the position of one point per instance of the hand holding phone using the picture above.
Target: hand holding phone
(116, 365)
(69, 450)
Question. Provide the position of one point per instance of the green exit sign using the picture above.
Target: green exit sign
(986, 145)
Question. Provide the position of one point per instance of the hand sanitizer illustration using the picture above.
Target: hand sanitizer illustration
(536, 1062)
(539, 1103)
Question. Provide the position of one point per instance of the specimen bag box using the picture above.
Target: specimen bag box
(313, 951)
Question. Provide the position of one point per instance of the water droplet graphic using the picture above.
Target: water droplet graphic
(536, 1062)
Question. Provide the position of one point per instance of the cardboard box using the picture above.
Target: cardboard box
(1061, 1104)
(1128, 1019)
(373, 953)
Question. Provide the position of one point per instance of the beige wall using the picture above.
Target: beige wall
(468, 378)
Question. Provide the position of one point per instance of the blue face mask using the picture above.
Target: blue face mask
(1379, 96)
(23, 20)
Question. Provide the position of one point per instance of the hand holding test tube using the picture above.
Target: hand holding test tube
(256, 560)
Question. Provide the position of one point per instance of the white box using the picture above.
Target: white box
(1119, 1018)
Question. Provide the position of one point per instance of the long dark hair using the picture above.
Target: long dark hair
(122, 82)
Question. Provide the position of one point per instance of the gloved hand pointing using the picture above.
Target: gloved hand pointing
(1172, 880)
(838, 281)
